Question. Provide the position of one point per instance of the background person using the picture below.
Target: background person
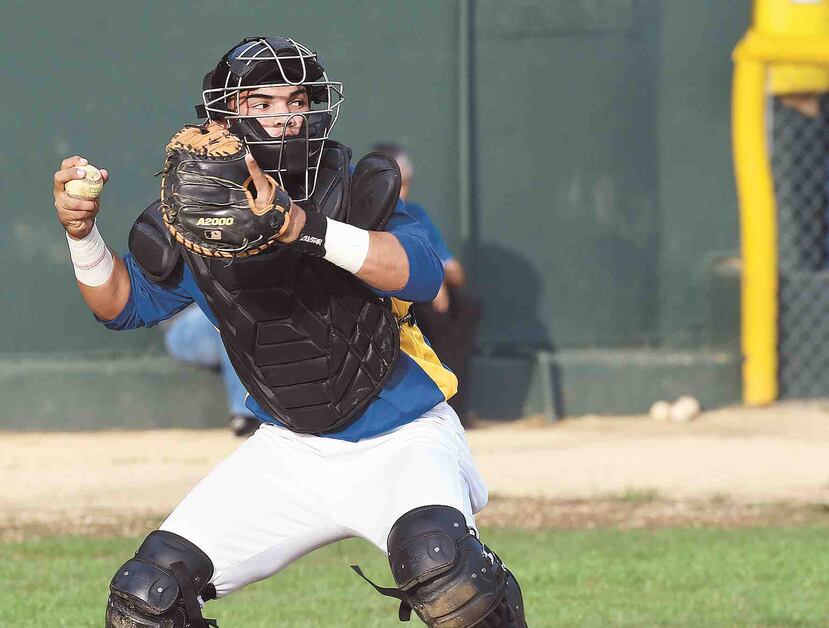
(191, 337)
(450, 320)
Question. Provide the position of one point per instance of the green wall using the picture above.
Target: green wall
(113, 81)
(567, 178)
(697, 196)
(610, 194)
(602, 185)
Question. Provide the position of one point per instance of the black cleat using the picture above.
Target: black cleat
(243, 425)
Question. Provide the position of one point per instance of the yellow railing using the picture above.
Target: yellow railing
(758, 217)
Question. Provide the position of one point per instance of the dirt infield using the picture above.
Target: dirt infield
(730, 467)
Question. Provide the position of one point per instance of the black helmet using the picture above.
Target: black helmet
(272, 62)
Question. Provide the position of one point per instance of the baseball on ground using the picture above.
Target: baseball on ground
(660, 411)
(684, 409)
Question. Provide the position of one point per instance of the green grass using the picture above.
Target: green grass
(684, 577)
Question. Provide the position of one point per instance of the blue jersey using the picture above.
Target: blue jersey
(417, 212)
(418, 382)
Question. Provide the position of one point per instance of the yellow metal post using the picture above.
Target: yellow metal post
(787, 52)
(758, 231)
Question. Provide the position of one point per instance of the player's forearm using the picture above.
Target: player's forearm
(102, 277)
(387, 265)
(108, 300)
(376, 257)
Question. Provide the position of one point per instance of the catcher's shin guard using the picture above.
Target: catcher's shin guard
(159, 587)
(447, 575)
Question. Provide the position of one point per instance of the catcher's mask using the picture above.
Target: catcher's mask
(272, 62)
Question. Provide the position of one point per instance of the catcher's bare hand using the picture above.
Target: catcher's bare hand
(76, 215)
(260, 182)
(263, 193)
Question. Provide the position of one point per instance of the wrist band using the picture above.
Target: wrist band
(311, 240)
(91, 258)
(346, 245)
(340, 243)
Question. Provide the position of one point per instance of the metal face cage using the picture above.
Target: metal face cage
(264, 62)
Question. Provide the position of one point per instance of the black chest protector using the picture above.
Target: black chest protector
(311, 343)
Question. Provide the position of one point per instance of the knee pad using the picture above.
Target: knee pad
(447, 575)
(159, 587)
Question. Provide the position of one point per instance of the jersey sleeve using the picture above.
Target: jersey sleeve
(149, 302)
(425, 267)
(432, 232)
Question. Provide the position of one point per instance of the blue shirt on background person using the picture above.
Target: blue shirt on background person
(432, 232)
(450, 320)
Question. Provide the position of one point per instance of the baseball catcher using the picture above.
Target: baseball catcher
(308, 266)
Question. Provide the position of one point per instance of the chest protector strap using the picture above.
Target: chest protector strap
(312, 344)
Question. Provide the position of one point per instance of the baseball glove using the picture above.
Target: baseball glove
(206, 198)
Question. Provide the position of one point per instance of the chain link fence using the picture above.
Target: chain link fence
(800, 167)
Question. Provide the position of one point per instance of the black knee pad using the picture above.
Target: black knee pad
(448, 576)
(158, 588)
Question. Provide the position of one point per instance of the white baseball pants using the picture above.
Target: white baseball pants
(282, 495)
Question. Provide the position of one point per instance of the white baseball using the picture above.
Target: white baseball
(685, 409)
(660, 411)
(88, 188)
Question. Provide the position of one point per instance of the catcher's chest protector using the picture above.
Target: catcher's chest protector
(311, 343)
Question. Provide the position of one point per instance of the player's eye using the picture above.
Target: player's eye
(260, 105)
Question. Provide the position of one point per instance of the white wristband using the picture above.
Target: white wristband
(346, 245)
(91, 258)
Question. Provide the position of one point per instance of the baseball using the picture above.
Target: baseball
(660, 411)
(89, 187)
(684, 409)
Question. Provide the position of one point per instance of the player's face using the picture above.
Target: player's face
(275, 108)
